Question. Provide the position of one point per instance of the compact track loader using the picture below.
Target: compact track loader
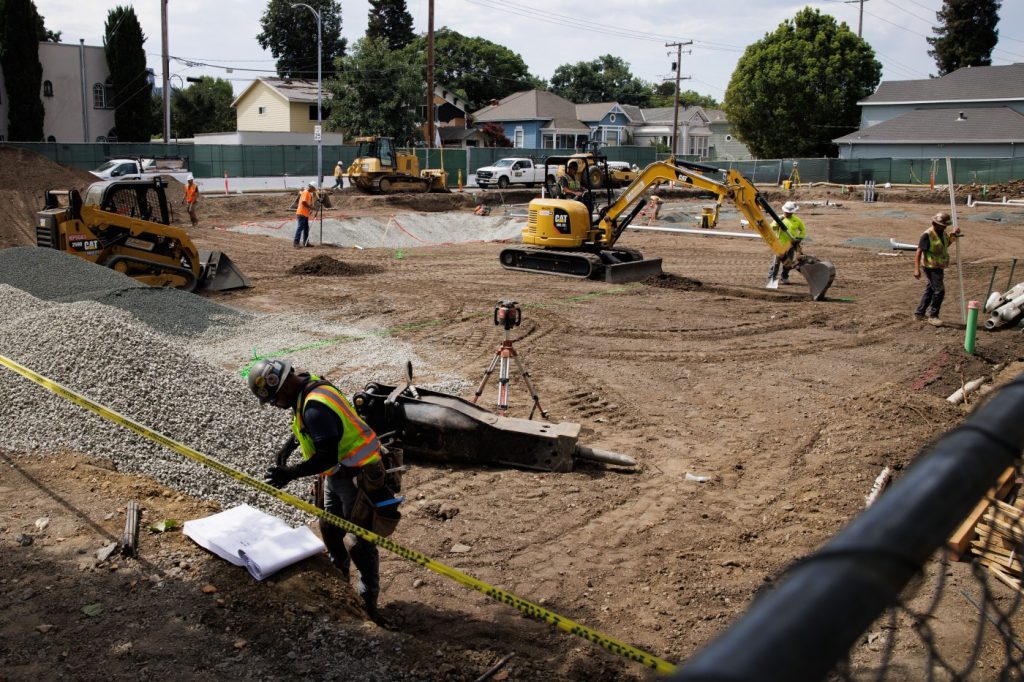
(125, 225)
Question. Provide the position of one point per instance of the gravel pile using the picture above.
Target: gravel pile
(114, 360)
(57, 276)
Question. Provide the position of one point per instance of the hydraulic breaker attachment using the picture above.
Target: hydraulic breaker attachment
(439, 427)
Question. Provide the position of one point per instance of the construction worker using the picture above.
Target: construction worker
(796, 228)
(571, 187)
(191, 197)
(337, 444)
(302, 213)
(337, 175)
(933, 255)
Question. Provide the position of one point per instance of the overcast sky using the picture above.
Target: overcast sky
(546, 33)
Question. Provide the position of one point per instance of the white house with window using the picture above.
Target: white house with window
(276, 111)
(75, 92)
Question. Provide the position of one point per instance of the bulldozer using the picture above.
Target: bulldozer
(125, 225)
(578, 239)
(380, 168)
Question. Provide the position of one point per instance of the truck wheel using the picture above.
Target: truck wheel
(503, 182)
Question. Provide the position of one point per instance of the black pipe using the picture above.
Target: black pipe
(802, 628)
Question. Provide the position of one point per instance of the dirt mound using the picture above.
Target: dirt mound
(669, 281)
(320, 266)
(24, 176)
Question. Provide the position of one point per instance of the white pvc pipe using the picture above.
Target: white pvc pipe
(706, 233)
(960, 394)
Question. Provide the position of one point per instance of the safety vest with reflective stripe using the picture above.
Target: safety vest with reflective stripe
(191, 191)
(937, 255)
(358, 446)
(795, 227)
(305, 201)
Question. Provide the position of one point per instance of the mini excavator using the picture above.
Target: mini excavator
(125, 225)
(577, 239)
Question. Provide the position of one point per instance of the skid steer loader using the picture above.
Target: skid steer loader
(125, 225)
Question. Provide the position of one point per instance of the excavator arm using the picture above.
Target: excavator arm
(735, 187)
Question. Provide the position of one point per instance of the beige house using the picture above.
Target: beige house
(280, 105)
(75, 92)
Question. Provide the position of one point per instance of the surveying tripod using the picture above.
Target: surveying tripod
(508, 314)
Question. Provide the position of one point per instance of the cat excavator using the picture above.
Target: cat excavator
(125, 225)
(575, 238)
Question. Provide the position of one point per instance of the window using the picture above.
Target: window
(324, 113)
(51, 138)
(99, 96)
(261, 110)
(520, 138)
(47, 89)
(611, 118)
(728, 138)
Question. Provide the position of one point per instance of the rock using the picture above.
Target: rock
(417, 583)
(459, 548)
(241, 643)
(104, 552)
(42, 523)
(25, 540)
(209, 589)
(44, 628)
(121, 650)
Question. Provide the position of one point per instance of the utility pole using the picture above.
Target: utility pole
(675, 113)
(167, 76)
(860, 24)
(430, 79)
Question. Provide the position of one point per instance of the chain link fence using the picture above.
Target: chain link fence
(880, 580)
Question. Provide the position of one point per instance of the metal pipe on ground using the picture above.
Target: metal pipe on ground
(800, 629)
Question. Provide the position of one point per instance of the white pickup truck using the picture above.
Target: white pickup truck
(137, 169)
(511, 171)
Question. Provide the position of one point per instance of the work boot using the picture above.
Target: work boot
(919, 318)
(934, 321)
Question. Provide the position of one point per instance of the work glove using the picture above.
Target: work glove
(287, 447)
(279, 476)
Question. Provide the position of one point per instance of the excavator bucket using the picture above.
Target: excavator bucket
(819, 275)
(219, 273)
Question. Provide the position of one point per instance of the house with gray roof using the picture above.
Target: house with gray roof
(973, 112)
(536, 119)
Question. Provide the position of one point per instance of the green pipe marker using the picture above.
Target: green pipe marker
(972, 326)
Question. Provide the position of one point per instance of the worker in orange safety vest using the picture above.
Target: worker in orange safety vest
(302, 212)
(191, 197)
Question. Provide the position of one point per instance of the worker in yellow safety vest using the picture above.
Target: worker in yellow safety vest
(933, 256)
(794, 233)
(335, 443)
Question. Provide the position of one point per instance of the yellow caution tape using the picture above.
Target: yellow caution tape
(526, 607)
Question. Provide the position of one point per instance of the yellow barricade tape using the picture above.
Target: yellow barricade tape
(526, 607)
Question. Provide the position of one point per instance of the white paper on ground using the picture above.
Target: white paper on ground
(270, 555)
(241, 528)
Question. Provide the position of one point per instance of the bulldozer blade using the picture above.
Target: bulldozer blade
(819, 275)
(634, 271)
(220, 273)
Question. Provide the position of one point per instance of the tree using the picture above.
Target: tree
(129, 77)
(967, 34)
(495, 134)
(797, 89)
(44, 34)
(376, 91)
(203, 107)
(605, 79)
(290, 35)
(19, 54)
(389, 19)
(475, 68)
(664, 92)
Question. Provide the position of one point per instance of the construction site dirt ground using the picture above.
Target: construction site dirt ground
(785, 409)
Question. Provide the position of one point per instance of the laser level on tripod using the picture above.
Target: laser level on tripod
(508, 315)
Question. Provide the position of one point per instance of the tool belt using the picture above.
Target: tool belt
(376, 507)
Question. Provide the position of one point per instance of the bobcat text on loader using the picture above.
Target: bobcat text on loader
(125, 225)
(578, 239)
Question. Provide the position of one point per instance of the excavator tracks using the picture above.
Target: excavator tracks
(611, 265)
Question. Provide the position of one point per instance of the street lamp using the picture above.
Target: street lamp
(319, 116)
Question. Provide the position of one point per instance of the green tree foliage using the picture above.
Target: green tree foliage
(377, 91)
(19, 58)
(290, 35)
(663, 97)
(796, 89)
(46, 35)
(389, 19)
(475, 68)
(966, 35)
(605, 79)
(203, 107)
(130, 80)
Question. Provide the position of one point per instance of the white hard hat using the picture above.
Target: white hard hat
(312, 184)
(790, 207)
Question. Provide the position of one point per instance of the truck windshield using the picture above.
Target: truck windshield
(107, 166)
(501, 163)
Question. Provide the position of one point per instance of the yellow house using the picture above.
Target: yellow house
(279, 105)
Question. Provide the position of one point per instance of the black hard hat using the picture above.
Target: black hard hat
(266, 377)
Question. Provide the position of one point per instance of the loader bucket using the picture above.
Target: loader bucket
(634, 271)
(219, 273)
(819, 275)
